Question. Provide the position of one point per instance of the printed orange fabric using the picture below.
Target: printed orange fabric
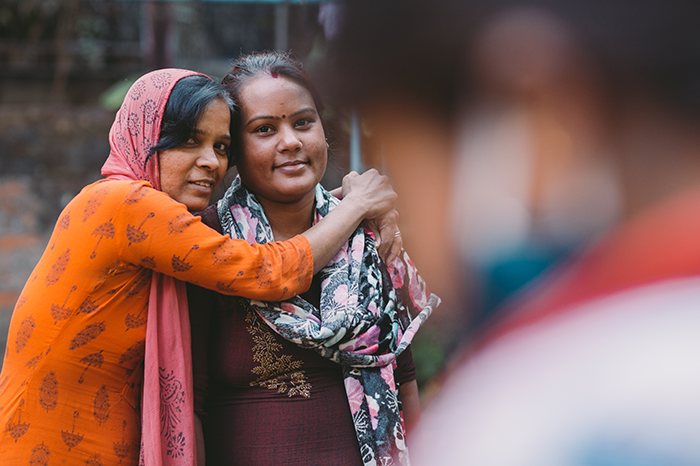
(70, 382)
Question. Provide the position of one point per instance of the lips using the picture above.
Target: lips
(203, 183)
(291, 163)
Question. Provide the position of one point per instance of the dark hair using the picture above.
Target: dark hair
(188, 100)
(273, 63)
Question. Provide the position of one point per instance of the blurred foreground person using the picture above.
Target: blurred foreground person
(595, 364)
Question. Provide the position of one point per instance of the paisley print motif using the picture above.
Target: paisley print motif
(48, 392)
(101, 405)
(135, 351)
(136, 286)
(94, 203)
(136, 193)
(63, 224)
(177, 225)
(58, 268)
(90, 332)
(24, 333)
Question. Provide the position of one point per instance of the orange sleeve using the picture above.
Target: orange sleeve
(155, 231)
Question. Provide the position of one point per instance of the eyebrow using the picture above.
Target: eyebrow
(199, 131)
(269, 117)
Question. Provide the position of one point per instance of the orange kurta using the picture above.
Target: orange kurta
(71, 378)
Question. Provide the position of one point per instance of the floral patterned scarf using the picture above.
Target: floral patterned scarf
(368, 316)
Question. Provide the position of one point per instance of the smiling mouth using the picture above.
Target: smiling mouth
(291, 164)
(206, 184)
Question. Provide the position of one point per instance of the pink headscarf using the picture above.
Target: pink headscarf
(167, 423)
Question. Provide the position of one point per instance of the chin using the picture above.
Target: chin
(196, 206)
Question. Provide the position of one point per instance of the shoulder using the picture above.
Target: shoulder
(114, 189)
(123, 197)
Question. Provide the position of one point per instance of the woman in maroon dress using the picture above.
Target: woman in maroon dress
(328, 388)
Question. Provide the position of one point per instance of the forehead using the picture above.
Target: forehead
(215, 113)
(265, 94)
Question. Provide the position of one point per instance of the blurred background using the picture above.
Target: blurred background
(497, 121)
(491, 192)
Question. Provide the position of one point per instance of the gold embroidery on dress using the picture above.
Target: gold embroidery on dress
(275, 372)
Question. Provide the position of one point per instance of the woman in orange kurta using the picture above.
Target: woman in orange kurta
(70, 385)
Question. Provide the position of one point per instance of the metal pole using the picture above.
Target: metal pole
(282, 26)
(355, 143)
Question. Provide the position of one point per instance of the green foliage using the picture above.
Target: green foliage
(428, 354)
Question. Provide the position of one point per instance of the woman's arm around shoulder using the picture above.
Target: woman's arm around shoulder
(154, 231)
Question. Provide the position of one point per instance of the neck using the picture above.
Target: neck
(289, 220)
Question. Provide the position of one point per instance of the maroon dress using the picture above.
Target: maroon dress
(264, 400)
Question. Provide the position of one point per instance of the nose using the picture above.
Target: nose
(289, 140)
(208, 160)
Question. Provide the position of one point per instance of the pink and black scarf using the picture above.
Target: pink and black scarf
(368, 315)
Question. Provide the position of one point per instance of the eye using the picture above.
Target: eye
(221, 147)
(191, 140)
(303, 122)
(264, 129)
